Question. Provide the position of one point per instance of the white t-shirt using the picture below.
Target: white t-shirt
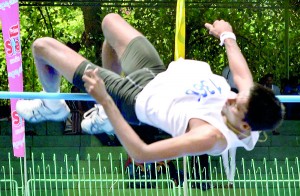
(188, 89)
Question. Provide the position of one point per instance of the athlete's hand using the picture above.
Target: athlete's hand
(94, 85)
(218, 27)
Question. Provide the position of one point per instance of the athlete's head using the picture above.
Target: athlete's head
(257, 110)
(265, 111)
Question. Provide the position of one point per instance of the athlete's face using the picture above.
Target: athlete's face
(235, 109)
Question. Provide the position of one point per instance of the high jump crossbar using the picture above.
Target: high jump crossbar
(87, 97)
(44, 95)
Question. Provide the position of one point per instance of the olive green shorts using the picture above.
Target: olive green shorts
(140, 63)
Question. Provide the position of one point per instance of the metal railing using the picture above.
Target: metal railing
(110, 176)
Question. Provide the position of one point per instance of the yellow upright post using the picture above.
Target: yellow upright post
(180, 53)
(180, 30)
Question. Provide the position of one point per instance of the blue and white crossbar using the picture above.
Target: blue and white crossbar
(43, 95)
(87, 97)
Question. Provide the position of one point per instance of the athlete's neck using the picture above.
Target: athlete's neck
(241, 134)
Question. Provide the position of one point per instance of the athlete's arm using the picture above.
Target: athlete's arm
(199, 140)
(241, 73)
(242, 76)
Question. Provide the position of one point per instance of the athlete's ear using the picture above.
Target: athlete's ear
(245, 126)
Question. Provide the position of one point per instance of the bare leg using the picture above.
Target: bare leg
(118, 34)
(110, 59)
(54, 59)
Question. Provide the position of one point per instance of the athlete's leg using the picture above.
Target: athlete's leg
(140, 61)
(52, 60)
(118, 34)
(110, 59)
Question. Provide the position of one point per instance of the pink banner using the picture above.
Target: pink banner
(9, 13)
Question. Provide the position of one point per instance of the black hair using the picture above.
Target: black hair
(265, 111)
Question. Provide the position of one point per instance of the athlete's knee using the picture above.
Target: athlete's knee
(40, 45)
(109, 19)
